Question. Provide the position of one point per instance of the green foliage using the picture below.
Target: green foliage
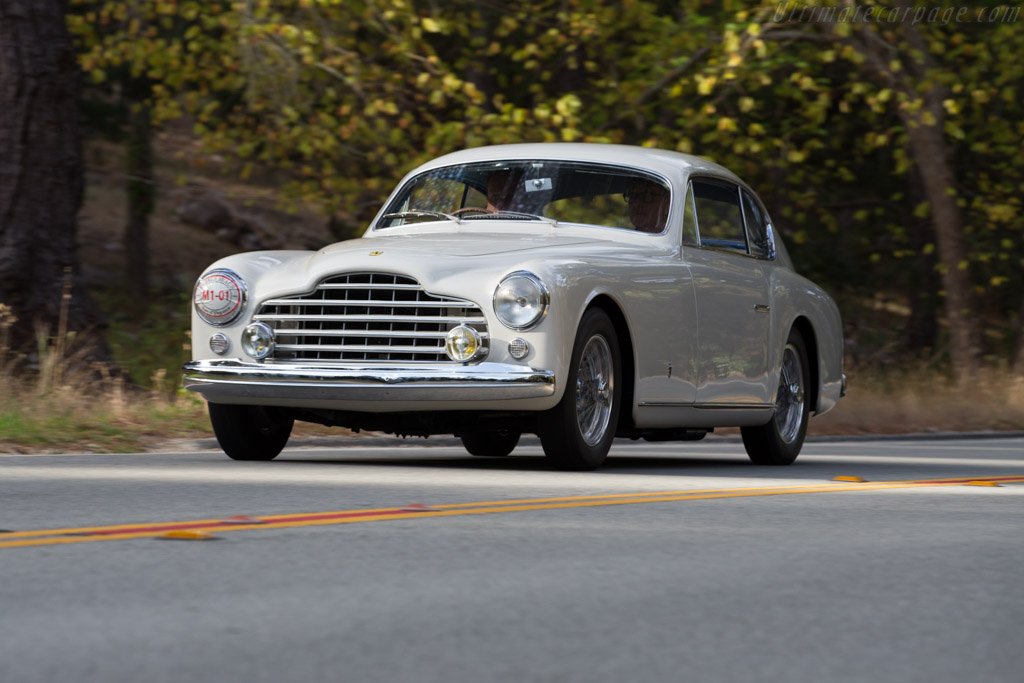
(340, 99)
(150, 344)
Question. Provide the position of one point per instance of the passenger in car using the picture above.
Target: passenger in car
(501, 190)
(648, 204)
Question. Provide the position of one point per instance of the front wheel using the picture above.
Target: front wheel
(779, 441)
(250, 432)
(577, 433)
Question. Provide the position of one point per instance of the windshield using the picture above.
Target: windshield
(550, 191)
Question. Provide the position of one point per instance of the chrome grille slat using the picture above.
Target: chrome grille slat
(457, 320)
(369, 303)
(367, 317)
(398, 334)
(343, 285)
(360, 349)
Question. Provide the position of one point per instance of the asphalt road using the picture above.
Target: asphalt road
(677, 562)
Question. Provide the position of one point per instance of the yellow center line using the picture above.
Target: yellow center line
(368, 511)
(61, 537)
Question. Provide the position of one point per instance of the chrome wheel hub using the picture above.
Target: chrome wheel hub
(594, 390)
(789, 406)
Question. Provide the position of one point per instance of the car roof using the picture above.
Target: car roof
(661, 161)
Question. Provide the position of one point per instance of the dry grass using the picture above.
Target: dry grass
(69, 404)
(922, 400)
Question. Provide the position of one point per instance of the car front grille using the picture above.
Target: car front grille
(367, 317)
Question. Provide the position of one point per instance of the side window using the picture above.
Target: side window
(689, 220)
(757, 226)
(719, 216)
(474, 198)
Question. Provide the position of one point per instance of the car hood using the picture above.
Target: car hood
(445, 262)
(458, 244)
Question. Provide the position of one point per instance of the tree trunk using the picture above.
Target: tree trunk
(40, 167)
(1018, 362)
(925, 283)
(930, 154)
(933, 158)
(928, 148)
(141, 198)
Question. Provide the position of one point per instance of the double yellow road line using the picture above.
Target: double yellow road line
(204, 527)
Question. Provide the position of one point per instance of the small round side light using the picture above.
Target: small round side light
(518, 348)
(219, 344)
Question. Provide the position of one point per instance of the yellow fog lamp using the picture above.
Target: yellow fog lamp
(462, 343)
(258, 340)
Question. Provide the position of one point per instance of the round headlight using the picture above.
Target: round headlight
(521, 300)
(462, 343)
(219, 296)
(258, 340)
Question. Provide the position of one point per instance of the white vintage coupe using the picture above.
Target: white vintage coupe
(576, 291)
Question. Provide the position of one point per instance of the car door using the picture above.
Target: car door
(733, 301)
(667, 369)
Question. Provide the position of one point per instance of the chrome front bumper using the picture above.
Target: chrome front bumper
(228, 381)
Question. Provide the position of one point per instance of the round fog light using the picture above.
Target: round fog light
(518, 348)
(258, 340)
(219, 344)
(462, 343)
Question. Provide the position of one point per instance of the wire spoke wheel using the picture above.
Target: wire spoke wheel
(789, 406)
(578, 432)
(778, 442)
(594, 390)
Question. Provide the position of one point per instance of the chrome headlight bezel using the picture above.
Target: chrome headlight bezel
(540, 297)
(232, 282)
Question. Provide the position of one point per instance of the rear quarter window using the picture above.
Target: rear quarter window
(719, 217)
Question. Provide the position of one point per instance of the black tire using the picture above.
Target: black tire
(779, 441)
(497, 443)
(250, 432)
(578, 437)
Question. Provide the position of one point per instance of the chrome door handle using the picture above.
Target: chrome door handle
(762, 308)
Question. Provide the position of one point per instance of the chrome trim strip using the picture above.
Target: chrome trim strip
(842, 390)
(438, 382)
(707, 406)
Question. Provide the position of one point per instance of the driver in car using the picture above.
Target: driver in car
(501, 189)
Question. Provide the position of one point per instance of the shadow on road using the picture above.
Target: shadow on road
(816, 468)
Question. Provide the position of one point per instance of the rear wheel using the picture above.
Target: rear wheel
(577, 433)
(250, 432)
(497, 443)
(779, 441)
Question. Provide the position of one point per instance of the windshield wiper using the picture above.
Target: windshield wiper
(491, 215)
(421, 214)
